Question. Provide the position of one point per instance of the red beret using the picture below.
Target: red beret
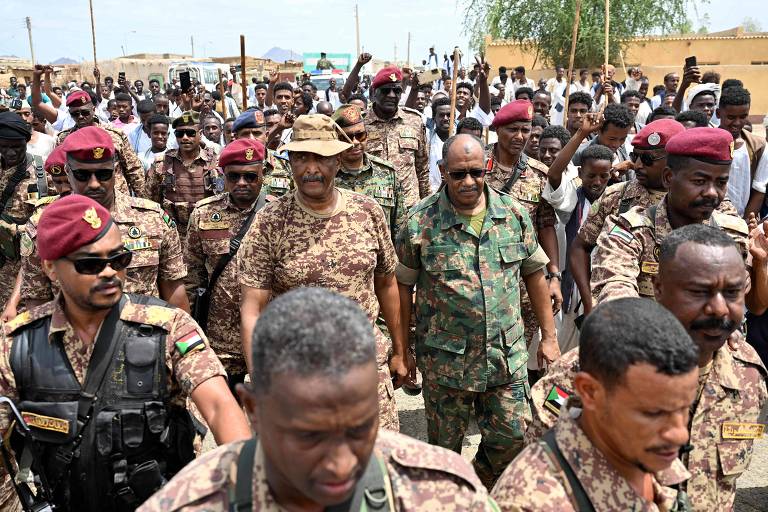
(518, 110)
(711, 145)
(656, 134)
(68, 224)
(388, 75)
(54, 164)
(242, 152)
(78, 99)
(89, 144)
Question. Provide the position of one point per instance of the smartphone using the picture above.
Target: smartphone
(121, 75)
(690, 62)
(186, 82)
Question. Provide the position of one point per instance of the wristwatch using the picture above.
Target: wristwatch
(558, 275)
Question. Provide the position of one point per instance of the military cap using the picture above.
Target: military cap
(249, 119)
(89, 144)
(518, 110)
(78, 99)
(347, 115)
(710, 145)
(316, 133)
(242, 152)
(655, 135)
(388, 75)
(68, 224)
(12, 126)
(187, 118)
(55, 162)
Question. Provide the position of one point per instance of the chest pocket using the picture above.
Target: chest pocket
(408, 143)
(374, 144)
(146, 250)
(214, 246)
(527, 190)
(439, 259)
(511, 253)
(734, 457)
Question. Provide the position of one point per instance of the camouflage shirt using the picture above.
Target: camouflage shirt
(626, 259)
(468, 327)
(146, 230)
(214, 221)
(278, 178)
(421, 476)
(130, 170)
(377, 179)
(528, 188)
(402, 141)
(535, 482)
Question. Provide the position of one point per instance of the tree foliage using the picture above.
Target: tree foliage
(545, 26)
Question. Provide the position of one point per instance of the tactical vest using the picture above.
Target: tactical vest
(129, 443)
(181, 189)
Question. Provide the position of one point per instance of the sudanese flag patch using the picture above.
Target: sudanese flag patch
(556, 399)
(190, 343)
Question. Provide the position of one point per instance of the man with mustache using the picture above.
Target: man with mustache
(157, 267)
(701, 281)
(101, 377)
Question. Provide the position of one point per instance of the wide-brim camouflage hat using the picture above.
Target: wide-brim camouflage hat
(318, 134)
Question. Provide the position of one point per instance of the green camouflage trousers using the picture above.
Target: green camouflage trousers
(503, 413)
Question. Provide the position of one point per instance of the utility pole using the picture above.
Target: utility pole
(408, 54)
(192, 42)
(395, 62)
(29, 31)
(357, 29)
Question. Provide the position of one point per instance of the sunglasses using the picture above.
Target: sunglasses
(249, 177)
(646, 158)
(181, 132)
(79, 113)
(359, 136)
(387, 90)
(460, 175)
(92, 266)
(85, 175)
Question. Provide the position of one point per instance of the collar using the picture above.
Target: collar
(449, 218)
(59, 322)
(205, 155)
(262, 496)
(366, 167)
(724, 371)
(258, 203)
(373, 118)
(121, 210)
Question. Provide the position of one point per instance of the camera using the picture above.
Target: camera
(16, 104)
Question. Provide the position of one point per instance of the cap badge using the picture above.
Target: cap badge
(56, 170)
(83, 100)
(98, 153)
(530, 110)
(92, 218)
(654, 139)
(134, 232)
(186, 118)
(249, 154)
(215, 217)
(351, 115)
(393, 77)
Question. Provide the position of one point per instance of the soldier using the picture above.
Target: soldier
(277, 171)
(216, 227)
(129, 175)
(20, 186)
(627, 421)
(466, 250)
(312, 404)
(701, 281)
(368, 174)
(396, 134)
(181, 177)
(330, 237)
(512, 172)
(626, 259)
(135, 358)
(157, 267)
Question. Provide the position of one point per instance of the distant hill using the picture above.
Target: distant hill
(63, 60)
(281, 54)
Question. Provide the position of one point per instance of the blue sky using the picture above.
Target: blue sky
(62, 29)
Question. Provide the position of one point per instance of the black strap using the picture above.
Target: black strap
(583, 503)
(625, 203)
(522, 163)
(244, 484)
(17, 177)
(42, 183)
(371, 489)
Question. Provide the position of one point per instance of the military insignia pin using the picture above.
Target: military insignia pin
(98, 153)
(215, 217)
(134, 232)
(656, 252)
(654, 139)
(249, 154)
(92, 218)
(530, 110)
(83, 100)
(393, 77)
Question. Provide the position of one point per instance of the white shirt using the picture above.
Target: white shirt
(517, 85)
(139, 140)
(761, 175)
(739, 181)
(42, 147)
(577, 86)
(435, 154)
(148, 157)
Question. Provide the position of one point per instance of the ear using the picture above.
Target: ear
(249, 402)
(589, 389)
(717, 113)
(666, 177)
(50, 271)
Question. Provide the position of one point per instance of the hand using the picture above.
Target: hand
(185, 101)
(37, 73)
(364, 59)
(197, 102)
(752, 222)
(9, 313)
(414, 81)
(637, 73)
(273, 76)
(758, 243)
(621, 169)
(591, 123)
(485, 68)
(398, 368)
(286, 121)
(548, 351)
(692, 75)
(555, 295)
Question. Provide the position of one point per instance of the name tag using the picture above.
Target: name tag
(137, 244)
(210, 225)
(735, 430)
(280, 183)
(649, 267)
(46, 422)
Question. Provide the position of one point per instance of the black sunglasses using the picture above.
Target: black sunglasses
(92, 266)
(85, 175)
(189, 132)
(460, 175)
(249, 177)
(387, 90)
(646, 158)
(79, 113)
(359, 136)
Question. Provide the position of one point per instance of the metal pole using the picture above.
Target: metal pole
(243, 78)
(357, 29)
(93, 33)
(408, 53)
(192, 42)
(31, 47)
(569, 76)
(452, 126)
(220, 87)
(607, 27)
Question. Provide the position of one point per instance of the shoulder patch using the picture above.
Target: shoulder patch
(159, 316)
(637, 218)
(209, 200)
(144, 204)
(168, 219)
(619, 232)
(189, 343)
(731, 222)
(411, 111)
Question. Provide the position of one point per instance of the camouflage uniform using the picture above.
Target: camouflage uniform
(534, 482)
(177, 187)
(377, 179)
(731, 394)
(422, 477)
(19, 208)
(278, 178)
(402, 141)
(184, 375)
(290, 246)
(213, 222)
(528, 190)
(129, 171)
(146, 230)
(469, 338)
(626, 259)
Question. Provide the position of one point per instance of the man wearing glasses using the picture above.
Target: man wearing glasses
(181, 177)
(216, 227)
(466, 249)
(157, 267)
(396, 134)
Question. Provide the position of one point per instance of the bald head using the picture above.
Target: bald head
(324, 107)
(460, 146)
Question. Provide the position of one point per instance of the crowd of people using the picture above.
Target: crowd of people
(581, 267)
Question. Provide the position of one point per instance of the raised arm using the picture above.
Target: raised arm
(591, 123)
(354, 76)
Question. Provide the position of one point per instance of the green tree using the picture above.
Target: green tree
(545, 26)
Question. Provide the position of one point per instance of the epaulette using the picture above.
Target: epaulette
(637, 218)
(144, 204)
(28, 316)
(159, 316)
(411, 111)
(380, 161)
(535, 164)
(746, 353)
(731, 222)
(210, 199)
(424, 204)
